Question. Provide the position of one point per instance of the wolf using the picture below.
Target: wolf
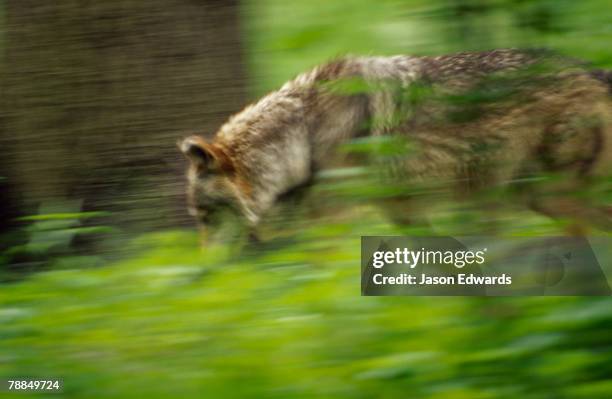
(473, 120)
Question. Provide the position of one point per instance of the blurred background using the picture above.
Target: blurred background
(103, 283)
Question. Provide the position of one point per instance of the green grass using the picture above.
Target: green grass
(176, 321)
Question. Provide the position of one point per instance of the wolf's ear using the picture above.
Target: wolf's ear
(197, 151)
(206, 156)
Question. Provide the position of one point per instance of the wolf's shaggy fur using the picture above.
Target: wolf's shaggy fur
(551, 115)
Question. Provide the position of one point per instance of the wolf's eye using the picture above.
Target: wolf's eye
(201, 214)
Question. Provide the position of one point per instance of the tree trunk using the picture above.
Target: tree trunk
(96, 94)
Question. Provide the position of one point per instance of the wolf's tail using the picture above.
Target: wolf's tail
(604, 76)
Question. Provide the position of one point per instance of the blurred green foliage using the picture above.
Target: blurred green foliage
(285, 38)
(287, 320)
(46, 241)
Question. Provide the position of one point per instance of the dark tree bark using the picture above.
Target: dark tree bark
(96, 94)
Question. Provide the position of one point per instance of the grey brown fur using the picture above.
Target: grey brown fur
(557, 118)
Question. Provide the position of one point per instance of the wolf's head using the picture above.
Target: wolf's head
(212, 188)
